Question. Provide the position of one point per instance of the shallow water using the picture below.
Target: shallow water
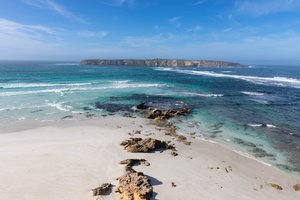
(256, 110)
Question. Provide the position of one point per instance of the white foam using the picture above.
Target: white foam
(262, 125)
(60, 90)
(278, 81)
(253, 93)
(201, 95)
(164, 68)
(60, 106)
(32, 85)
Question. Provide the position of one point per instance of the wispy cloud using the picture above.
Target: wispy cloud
(90, 34)
(130, 3)
(175, 21)
(55, 7)
(12, 28)
(265, 7)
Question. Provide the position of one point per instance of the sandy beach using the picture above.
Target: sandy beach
(68, 160)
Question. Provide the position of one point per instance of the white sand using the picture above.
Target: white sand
(65, 163)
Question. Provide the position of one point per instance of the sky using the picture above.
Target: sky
(246, 31)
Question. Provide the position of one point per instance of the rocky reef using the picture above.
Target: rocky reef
(160, 63)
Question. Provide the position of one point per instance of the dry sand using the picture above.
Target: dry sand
(66, 161)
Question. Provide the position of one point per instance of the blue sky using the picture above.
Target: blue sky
(247, 31)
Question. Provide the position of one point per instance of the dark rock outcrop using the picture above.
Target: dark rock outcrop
(163, 115)
(139, 145)
(160, 63)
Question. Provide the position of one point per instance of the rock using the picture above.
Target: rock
(163, 115)
(134, 186)
(129, 163)
(260, 153)
(67, 117)
(173, 184)
(160, 63)
(244, 143)
(174, 153)
(181, 138)
(152, 114)
(276, 186)
(102, 190)
(170, 130)
(139, 145)
(297, 187)
(141, 106)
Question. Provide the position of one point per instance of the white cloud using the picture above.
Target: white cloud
(175, 21)
(55, 7)
(264, 7)
(90, 34)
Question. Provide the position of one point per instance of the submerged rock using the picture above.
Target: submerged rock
(102, 190)
(67, 117)
(141, 106)
(112, 107)
(139, 145)
(243, 142)
(260, 153)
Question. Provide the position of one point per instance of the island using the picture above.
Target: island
(160, 63)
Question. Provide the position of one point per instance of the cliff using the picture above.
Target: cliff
(160, 63)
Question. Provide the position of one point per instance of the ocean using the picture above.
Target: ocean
(254, 109)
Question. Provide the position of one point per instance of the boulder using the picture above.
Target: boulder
(134, 186)
(297, 187)
(139, 145)
(102, 190)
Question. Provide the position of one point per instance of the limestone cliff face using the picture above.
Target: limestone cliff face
(160, 63)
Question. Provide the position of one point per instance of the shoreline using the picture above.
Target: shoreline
(84, 121)
(189, 169)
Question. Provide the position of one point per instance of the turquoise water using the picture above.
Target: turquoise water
(254, 109)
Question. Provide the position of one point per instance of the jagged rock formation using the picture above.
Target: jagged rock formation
(129, 163)
(297, 187)
(139, 145)
(163, 115)
(160, 63)
(102, 190)
(134, 185)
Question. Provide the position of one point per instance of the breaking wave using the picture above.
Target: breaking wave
(253, 93)
(74, 89)
(262, 125)
(201, 95)
(277, 81)
(32, 85)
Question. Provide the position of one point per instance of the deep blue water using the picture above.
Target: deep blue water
(254, 109)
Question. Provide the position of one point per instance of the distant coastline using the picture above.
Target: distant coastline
(160, 63)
